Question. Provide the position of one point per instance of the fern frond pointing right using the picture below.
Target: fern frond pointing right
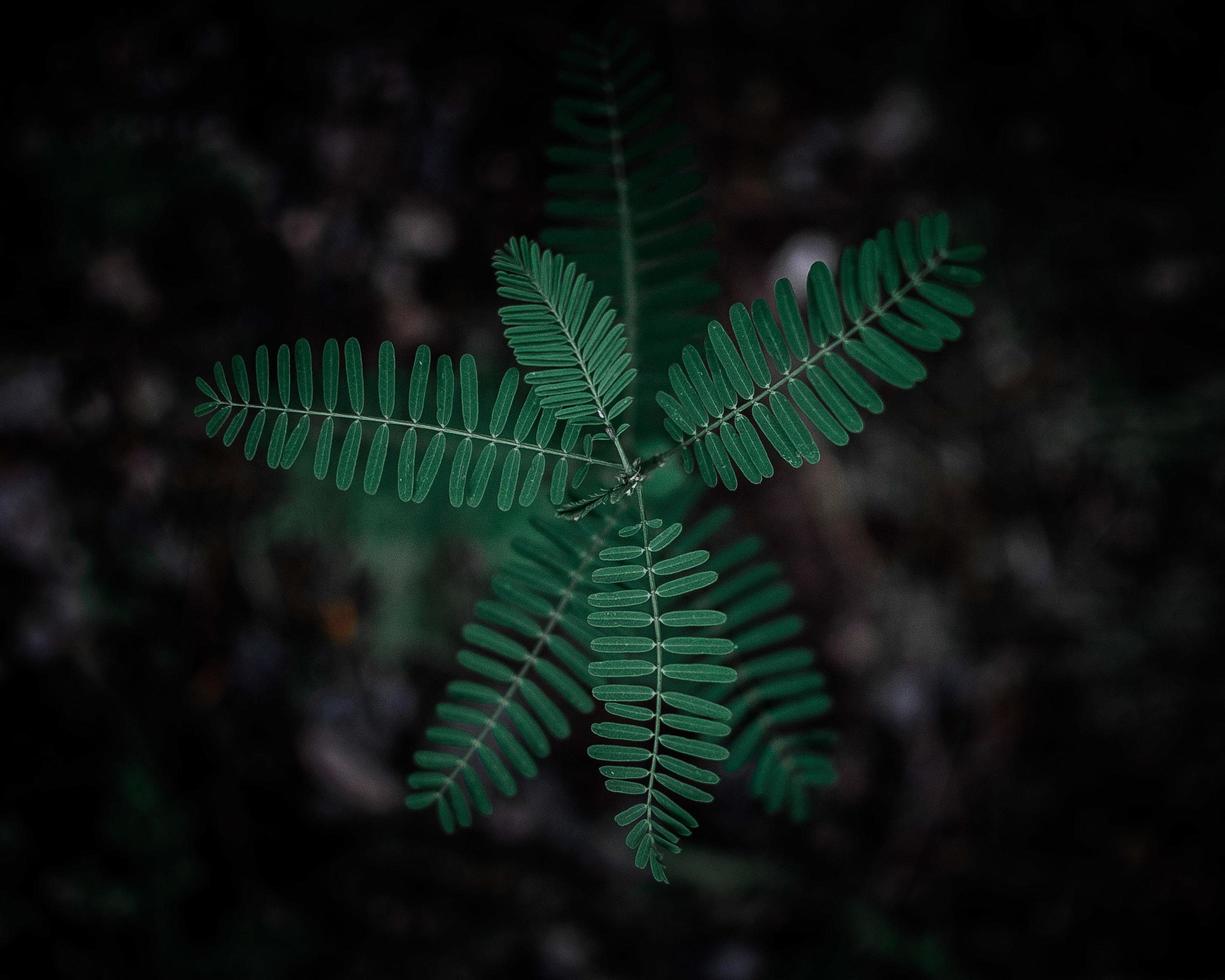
(533, 443)
(723, 408)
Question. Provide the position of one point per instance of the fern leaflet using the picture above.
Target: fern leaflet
(578, 350)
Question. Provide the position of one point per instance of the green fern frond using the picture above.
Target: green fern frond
(652, 659)
(897, 291)
(626, 196)
(578, 350)
(524, 650)
(779, 697)
(282, 405)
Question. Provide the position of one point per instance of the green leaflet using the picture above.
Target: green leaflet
(577, 349)
(895, 296)
(415, 443)
(668, 662)
(524, 650)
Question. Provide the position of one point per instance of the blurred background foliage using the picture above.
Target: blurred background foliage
(213, 677)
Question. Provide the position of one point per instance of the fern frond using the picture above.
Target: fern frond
(626, 198)
(897, 292)
(282, 405)
(524, 652)
(652, 658)
(779, 697)
(578, 350)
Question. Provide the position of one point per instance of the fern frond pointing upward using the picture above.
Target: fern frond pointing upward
(627, 200)
(526, 449)
(726, 406)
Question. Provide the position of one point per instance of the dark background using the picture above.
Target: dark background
(213, 677)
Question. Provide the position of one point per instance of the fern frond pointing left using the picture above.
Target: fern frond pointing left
(485, 725)
(534, 442)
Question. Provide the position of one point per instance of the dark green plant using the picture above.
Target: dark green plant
(686, 648)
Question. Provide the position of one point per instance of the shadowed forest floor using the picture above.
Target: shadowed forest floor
(213, 677)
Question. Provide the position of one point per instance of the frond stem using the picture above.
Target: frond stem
(446, 430)
(625, 230)
(649, 561)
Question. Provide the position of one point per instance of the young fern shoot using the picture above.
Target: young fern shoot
(687, 646)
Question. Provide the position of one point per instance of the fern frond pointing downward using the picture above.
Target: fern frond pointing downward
(779, 698)
(723, 408)
(651, 657)
(578, 350)
(534, 442)
(529, 640)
